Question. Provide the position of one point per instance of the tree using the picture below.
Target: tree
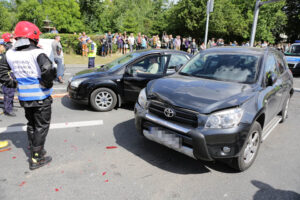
(6, 22)
(292, 11)
(231, 19)
(32, 11)
(90, 11)
(65, 15)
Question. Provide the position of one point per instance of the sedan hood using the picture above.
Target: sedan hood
(201, 95)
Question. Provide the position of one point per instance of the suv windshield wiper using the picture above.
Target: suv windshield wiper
(185, 74)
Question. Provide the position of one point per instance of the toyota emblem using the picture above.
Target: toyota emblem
(169, 112)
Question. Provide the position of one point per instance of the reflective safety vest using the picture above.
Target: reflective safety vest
(92, 54)
(28, 74)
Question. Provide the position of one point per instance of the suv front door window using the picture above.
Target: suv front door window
(273, 97)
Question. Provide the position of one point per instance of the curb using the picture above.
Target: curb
(53, 96)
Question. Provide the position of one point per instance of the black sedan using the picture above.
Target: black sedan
(120, 81)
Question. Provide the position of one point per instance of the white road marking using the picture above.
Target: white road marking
(12, 129)
(297, 89)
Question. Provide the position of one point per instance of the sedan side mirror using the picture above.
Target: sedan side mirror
(271, 79)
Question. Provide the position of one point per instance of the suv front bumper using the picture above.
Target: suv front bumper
(198, 143)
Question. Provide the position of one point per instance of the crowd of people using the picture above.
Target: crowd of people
(128, 43)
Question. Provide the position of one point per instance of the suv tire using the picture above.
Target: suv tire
(103, 99)
(250, 149)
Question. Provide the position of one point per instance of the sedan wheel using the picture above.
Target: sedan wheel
(103, 99)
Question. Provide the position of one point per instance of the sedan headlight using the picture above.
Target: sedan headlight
(225, 119)
(77, 82)
(142, 100)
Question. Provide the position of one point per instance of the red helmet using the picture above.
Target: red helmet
(6, 37)
(28, 30)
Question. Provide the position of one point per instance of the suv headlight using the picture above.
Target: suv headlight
(77, 82)
(142, 100)
(225, 119)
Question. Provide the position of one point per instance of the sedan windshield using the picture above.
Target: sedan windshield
(114, 65)
(223, 67)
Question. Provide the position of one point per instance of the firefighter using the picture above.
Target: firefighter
(8, 92)
(34, 80)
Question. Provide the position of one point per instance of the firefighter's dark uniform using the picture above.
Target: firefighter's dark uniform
(7, 91)
(34, 80)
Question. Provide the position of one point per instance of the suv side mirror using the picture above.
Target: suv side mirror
(271, 78)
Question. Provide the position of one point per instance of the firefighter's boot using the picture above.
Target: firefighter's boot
(37, 159)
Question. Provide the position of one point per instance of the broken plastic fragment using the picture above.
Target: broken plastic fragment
(14, 157)
(111, 147)
(106, 181)
(103, 173)
(56, 189)
(23, 183)
(5, 150)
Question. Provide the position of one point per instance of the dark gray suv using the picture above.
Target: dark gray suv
(220, 106)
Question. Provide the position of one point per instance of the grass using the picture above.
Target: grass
(78, 59)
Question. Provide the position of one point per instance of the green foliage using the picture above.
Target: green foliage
(64, 14)
(6, 21)
(146, 16)
(32, 11)
(231, 19)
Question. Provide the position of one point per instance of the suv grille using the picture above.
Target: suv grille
(183, 116)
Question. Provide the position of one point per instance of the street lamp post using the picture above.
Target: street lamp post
(209, 9)
(258, 4)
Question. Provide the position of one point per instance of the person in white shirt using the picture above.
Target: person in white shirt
(131, 42)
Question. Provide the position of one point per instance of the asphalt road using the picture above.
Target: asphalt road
(83, 167)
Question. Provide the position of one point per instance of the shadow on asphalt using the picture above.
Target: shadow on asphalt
(268, 192)
(66, 101)
(18, 139)
(161, 156)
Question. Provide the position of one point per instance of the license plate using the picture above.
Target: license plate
(167, 137)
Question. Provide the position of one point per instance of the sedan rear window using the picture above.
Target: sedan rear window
(223, 67)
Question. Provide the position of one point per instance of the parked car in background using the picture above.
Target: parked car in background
(293, 58)
(121, 80)
(220, 106)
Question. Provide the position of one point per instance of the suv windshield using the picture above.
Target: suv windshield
(223, 67)
(294, 50)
